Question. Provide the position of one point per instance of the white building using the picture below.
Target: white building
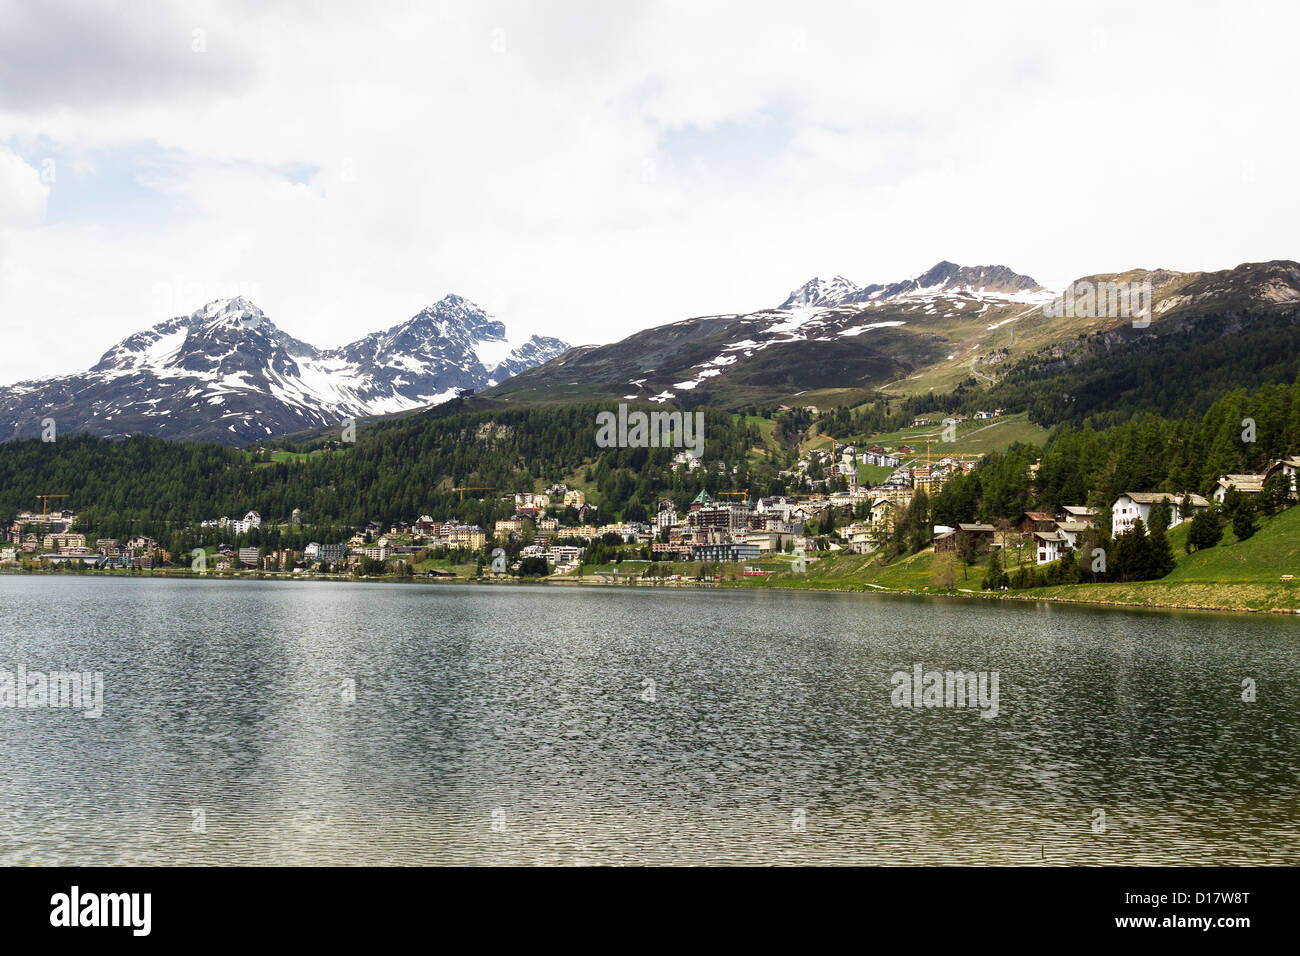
(1050, 545)
(564, 555)
(1132, 505)
(1288, 466)
(1245, 484)
(247, 523)
(1071, 531)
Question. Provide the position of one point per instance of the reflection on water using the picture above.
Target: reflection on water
(549, 725)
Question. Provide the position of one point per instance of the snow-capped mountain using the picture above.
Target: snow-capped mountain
(821, 292)
(831, 340)
(828, 333)
(226, 373)
(942, 279)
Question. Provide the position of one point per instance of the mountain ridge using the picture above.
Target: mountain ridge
(834, 341)
(253, 380)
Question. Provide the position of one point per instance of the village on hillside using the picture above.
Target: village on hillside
(557, 532)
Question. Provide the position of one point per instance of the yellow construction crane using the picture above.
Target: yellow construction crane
(464, 488)
(45, 503)
(744, 493)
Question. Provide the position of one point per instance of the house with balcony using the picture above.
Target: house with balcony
(1134, 505)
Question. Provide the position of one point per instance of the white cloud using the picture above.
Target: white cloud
(22, 193)
(585, 170)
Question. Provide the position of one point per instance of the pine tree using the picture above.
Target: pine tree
(1243, 522)
(1205, 530)
(1160, 560)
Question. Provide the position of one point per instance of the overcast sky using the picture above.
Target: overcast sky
(588, 169)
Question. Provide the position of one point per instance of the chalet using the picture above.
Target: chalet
(1080, 513)
(1288, 466)
(981, 534)
(1072, 531)
(1032, 522)
(1245, 485)
(1132, 505)
(1050, 545)
(956, 539)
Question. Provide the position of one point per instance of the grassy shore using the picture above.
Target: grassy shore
(1234, 576)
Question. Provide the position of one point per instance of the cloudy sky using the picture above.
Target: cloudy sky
(589, 169)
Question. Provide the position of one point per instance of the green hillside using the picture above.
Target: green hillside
(1235, 575)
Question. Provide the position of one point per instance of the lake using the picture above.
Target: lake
(348, 723)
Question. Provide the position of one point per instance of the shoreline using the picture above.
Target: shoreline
(632, 582)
